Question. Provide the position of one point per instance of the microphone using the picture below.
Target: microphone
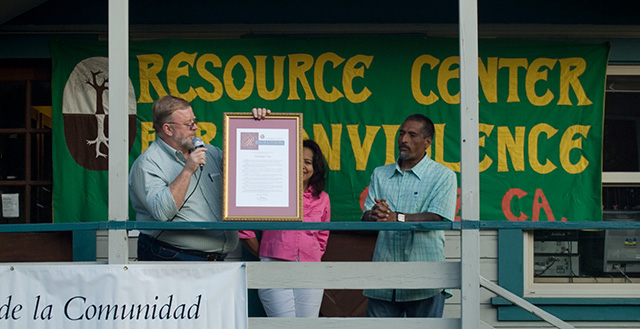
(198, 143)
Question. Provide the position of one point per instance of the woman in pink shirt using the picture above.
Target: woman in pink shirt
(297, 246)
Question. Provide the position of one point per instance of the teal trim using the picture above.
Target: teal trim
(84, 246)
(574, 313)
(133, 225)
(510, 260)
(337, 226)
(87, 226)
(572, 301)
(599, 225)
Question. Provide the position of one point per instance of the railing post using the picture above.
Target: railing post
(469, 165)
(118, 127)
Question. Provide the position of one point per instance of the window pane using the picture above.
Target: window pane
(621, 202)
(41, 208)
(13, 104)
(40, 104)
(12, 156)
(41, 164)
(40, 93)
(622, 124)
(586, 256)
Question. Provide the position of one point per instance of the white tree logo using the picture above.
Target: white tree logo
(85, 108)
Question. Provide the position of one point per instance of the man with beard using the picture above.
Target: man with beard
(166, 184)
(415, 188)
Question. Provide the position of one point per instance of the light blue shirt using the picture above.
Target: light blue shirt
(149, 180)
(427, 187)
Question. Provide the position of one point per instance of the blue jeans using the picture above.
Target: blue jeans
(425, 308)
(150, 249)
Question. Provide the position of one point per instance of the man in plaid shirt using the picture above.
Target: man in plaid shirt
(415, 188)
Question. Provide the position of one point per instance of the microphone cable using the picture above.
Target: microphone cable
(183, 203)
(198, 143)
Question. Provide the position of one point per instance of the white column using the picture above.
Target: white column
(118, 127)
(469, 164)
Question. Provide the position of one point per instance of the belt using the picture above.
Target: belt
(209, 256)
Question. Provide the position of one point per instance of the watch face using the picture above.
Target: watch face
(400, 217)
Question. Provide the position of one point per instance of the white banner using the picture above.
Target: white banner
(167, 295)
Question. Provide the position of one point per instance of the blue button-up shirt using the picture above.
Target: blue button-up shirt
(427, 187)
(149, 180)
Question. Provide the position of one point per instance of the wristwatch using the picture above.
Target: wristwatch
(400, 216)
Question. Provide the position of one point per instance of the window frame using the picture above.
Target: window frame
(27, 71)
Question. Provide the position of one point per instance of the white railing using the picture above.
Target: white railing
(352, 275)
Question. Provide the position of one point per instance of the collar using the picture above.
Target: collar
(177, 155)
(419, 169)
(308, 193)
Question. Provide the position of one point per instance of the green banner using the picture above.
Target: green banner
(541, 112)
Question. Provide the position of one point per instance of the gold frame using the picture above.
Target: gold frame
(227, 210)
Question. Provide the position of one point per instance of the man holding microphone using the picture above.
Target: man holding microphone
(166, 183)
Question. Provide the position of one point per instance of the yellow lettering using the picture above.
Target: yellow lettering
(175, 70)
(438, 140)
(207, 131)
(278, 77)
(570, 71)
(489, 78)
(229, 85)
(299, 64)
(515, 148)
(318, 77)
(568, 143)
(331, 150)
(390, 132)
(150, 65)
(416, 74)
(513, 64)
(534, 135)
(147, 135)
(533, 76)
(445, 73)
(362, 151)
(350, 73)
(201, 67)
(486, 129)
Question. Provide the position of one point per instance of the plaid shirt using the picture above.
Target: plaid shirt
(152, 200)
(427, 187)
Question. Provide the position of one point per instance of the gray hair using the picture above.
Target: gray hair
(164, 108)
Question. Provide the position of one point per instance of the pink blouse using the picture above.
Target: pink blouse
(304, 246)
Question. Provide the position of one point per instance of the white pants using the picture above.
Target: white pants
(290, 302)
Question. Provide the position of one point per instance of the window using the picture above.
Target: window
(599, 263)
(25, 141)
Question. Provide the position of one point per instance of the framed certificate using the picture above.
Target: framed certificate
(262, 167)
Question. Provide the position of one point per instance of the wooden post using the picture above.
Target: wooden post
(118, 127)
(469, 165)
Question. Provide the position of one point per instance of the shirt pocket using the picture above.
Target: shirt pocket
(213, 184)
(418, 202)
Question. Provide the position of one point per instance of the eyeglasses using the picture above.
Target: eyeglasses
(190, 125)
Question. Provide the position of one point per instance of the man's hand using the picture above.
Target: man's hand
(260, 113)
(196, 158)
(381, 212)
